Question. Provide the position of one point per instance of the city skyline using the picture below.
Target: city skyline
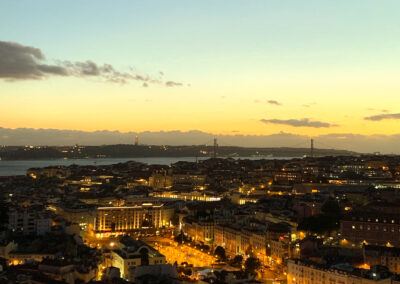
(173, 142)
(260, 68)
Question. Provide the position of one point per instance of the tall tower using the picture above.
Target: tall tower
(136, 140)
(215, 148)
(312, 148)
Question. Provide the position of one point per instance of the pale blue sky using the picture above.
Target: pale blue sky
(199, 37)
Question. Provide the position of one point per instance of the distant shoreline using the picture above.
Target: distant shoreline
(149, 151)
(150, 157)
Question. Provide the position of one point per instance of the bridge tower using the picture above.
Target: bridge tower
(312, 148)
(215, 148)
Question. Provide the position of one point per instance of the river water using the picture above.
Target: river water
(19, 167)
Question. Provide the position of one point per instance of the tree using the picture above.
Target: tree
(220, 252)
(237, 261)
(319, 224)
(326, 222)
(249, 250)
(205, 247)
(331, 208)
(180, 238)
(252, 264)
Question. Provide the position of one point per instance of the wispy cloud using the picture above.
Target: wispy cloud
(380, 117)
(271, 102)
(304, 122)
(381, 110)
(274, 102)
(19, 62)
(309, 104)
(173, 84)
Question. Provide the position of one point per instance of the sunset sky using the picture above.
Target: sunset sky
(254, 67)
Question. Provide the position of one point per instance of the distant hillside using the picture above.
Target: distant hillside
(132, 151)
(385, 144)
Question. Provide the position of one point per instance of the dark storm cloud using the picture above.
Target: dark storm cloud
(19, 62)
(304, 122)
(380, 117)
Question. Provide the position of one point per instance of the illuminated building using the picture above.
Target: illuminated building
(278, 241)
(29, 221)
(376, 224)
(16, 258)
(306, 272)
(132, 253)
(198, 230)
(277, 219)
(241, 199)
(229, 237)
(54, 171)
(192, 195)
(160, 180)
(78, 213)
(130, 218)
(287, 177)
(163, 179)
(382, 255)
(238, 240)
